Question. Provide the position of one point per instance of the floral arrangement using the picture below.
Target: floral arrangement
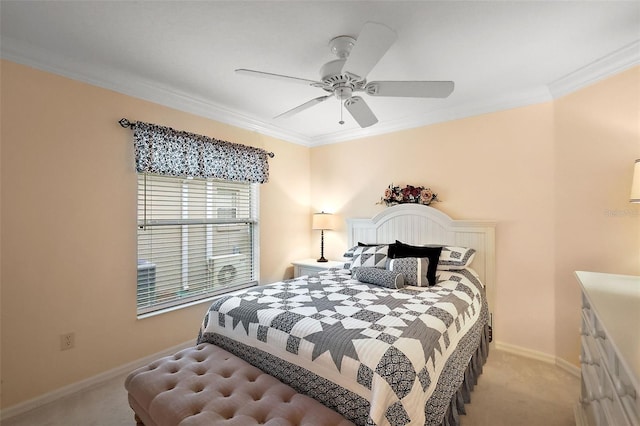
(408, 194)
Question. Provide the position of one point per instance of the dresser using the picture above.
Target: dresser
(610, 350)
(312, 266)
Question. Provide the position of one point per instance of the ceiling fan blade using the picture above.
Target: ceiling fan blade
(410, 89)
(360, 111)
(372, 43)
(302, 107)
(280, 77)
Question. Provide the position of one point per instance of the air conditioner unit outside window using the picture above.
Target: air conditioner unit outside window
(227, 269)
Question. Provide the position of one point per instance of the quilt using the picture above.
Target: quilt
(378, 356)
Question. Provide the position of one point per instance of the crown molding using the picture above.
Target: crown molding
(606, 66)
(148, 90)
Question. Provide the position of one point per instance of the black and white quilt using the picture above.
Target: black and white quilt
(378, 356)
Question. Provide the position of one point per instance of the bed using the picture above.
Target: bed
(376, 354)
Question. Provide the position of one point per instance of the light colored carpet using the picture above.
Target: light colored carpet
(511, 391)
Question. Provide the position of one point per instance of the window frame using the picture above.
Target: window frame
(212, 226)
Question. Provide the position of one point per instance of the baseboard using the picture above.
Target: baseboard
(85, 384)
(540, 356)
(568, 367)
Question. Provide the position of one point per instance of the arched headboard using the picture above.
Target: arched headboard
(417, 224)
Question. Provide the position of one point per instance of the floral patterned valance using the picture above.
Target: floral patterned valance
(165, 151)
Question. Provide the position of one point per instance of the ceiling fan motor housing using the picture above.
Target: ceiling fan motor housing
(342, 85)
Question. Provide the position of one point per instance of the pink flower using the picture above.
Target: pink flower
(408, 194)
(425, 196)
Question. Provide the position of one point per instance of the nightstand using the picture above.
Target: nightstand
(312, 266)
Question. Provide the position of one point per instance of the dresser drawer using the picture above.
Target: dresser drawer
(589, 353)
(609, 350)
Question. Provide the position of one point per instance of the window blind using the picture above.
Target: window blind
(196, 239)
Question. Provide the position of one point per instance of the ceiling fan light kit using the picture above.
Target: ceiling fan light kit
(347, 74)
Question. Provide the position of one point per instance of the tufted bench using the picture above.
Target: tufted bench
(206, 385)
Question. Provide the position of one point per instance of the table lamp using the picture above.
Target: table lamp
(322, 221)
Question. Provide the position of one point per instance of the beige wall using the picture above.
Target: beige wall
(550, 174)
(68, 229)
(496, 166)
(597, 137)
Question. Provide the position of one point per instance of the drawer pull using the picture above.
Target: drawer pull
(588, 360)
(624, 390)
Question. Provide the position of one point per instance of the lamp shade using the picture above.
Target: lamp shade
(635, 185)
(322, 221)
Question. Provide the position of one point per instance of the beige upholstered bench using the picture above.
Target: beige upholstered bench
(206, 385)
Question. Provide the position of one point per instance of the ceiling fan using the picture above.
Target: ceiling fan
(346, 75)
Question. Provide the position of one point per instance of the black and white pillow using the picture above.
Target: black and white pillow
(414, 270)
(374, 256)
(381, 277)
(455, 258)
(349, 252)
(402, 250)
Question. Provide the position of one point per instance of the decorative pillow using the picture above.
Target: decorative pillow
(381, 277)
(414, 270)
(455, 258)
(375, 256)
(401, 250)
(349, 253)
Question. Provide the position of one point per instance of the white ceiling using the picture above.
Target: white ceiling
(183, 54)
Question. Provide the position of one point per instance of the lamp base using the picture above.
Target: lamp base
(322, 259)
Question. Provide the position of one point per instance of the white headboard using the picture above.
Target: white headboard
(417, 224)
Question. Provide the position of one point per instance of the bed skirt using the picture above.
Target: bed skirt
(471, 374)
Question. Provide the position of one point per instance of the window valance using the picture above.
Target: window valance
(165, 151)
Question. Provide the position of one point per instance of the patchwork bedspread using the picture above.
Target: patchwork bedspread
(378, 356)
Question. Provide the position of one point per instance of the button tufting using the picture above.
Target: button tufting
(228, 386)
(227, 414)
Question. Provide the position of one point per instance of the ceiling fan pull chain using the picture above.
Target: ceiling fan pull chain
(341, 108)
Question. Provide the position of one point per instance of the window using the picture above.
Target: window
(196, 238)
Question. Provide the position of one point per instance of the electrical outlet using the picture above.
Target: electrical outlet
(67, 341)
